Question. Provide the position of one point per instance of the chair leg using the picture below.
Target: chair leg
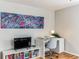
(53, 54)
(50, 54)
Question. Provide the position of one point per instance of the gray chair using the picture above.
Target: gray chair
(51, 45)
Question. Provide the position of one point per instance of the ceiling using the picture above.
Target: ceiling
(47, 4)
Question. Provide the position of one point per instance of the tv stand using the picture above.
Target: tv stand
(26, 53)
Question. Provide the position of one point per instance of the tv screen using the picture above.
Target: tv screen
(22, 42)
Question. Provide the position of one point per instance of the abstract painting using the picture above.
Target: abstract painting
(12, 20)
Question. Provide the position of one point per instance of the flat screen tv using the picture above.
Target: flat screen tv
(22, 42)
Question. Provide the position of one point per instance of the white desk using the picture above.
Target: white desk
(41, 43)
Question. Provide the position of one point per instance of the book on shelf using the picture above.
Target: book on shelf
(26, 54)
(12, 56)
(30, 54)
(9, 56)
(22, 55)
(18, 56)
(6, 57)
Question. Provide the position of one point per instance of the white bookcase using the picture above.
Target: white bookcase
(26, 53)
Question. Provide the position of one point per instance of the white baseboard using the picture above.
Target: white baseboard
(72, 53)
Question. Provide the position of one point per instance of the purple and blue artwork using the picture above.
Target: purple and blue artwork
(12, 20)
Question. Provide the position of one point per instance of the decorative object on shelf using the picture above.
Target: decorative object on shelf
(54, 34)
(12, 20)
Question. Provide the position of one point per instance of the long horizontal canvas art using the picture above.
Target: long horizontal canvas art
(12, 20)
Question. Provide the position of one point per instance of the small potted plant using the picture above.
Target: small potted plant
(54, 34)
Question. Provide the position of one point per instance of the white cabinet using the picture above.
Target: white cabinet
(60, 44)
(30, 53)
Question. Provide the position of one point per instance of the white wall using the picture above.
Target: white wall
(67, 25)
(7, 35)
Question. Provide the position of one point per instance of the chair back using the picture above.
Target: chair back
(52, 43)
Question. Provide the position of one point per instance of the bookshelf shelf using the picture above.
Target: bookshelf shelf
(26, 53)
